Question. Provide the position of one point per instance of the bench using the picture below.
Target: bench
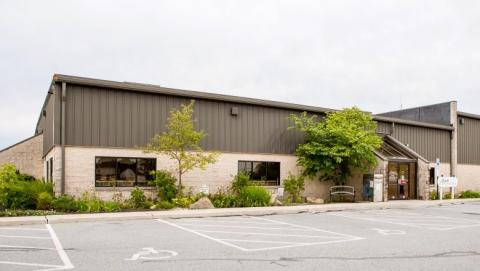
(342, 190)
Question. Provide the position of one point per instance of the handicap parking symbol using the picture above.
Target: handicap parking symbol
(149, 253)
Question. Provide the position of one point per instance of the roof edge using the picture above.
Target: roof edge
(468, 115)
(413, 123)
(20, 142)
(139, 87)
(404, 147)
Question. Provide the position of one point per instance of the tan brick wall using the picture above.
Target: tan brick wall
(468, 177)
(80, 169)
(26, 156)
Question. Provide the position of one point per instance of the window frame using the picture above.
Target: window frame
(260, 182)
(116, 170)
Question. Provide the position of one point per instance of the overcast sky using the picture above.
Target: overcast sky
(378, 55)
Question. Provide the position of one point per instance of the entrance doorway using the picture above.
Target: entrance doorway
(401, 180)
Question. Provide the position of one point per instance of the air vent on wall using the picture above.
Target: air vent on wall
(234, 111)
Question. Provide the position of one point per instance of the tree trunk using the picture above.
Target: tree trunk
(179, 175)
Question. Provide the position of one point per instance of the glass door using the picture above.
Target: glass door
(398, 180)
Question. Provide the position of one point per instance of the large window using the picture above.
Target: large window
(262, 173)
(123, 171)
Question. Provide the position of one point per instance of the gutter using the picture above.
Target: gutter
(62, 133)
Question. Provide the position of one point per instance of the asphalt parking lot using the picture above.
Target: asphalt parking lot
(434, 238)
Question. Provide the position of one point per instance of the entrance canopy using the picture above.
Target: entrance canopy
(394, 150)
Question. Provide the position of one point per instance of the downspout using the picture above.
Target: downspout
(62, 133)
(453, 139)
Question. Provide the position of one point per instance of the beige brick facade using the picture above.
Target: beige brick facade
(26, 156)
(468, 177)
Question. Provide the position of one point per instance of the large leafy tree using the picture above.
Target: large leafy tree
(342, 142)
(181, 142)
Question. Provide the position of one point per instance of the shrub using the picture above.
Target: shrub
(184, 202)
(294, 186)
(8, 213)
(137, 198)
(165, 205)
(112, 206)
(89, 203)
(44, 201)
(469, 194)
(240, 181)
(223, 199)
(165, 184)
(254, 196)
(65, 203)
(22, 194)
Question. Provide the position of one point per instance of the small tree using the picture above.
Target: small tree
(181, 142)
(344, 141)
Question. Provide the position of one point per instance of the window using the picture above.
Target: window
(49, 170)
(262, 173)
(123, 171)
(432, 176)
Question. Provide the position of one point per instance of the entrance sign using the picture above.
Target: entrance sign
(204, 189)
(447, 182)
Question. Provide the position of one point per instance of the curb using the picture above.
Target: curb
(254, 211)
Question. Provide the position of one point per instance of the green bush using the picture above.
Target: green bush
(137, 198)
(65, 203)
(294, 185)
(44, 201)
(112, 206)
(240, 181)
(89, 203)
(23, 194)
(165, 205)
(8, 173)
(469, 194)
(223, 199)
(165, 184)
(254, 196)
(184, 202)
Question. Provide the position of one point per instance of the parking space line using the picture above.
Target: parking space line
(24, 229)
(269, 234)
(241, 227)
(312, 228)
(23, 236)
(61, 252)
(27, 247)
(201, 234)
(50, 267)
(422, 221)
(262, 237)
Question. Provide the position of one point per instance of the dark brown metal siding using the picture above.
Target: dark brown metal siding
(50, 124)
(384, 127)
(469, 141)
(428, 142)
(116, 118)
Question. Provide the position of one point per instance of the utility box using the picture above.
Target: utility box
(378, 187)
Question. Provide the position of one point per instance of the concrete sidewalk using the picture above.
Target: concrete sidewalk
(256, 211)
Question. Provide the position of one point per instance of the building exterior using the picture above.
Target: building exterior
(89, 132)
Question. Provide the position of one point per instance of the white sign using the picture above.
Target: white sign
(204, 189)
(280, 191)
(146, 252)
(447, 182)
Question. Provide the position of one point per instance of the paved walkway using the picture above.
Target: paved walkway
(257, 211)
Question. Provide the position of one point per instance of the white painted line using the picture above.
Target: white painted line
(236, 221)
(26, 247)
(54, 267)
(268, 242)
(201, 234)
(23, 236)
(338, 236)
(242, 227)
(311, 228)
(23, 229)
(269, 234)
(61, 252)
